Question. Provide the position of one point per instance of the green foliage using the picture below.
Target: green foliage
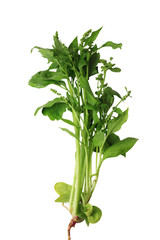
(98, 139)
(45, 78)
(116, 123)
(95, 216)
(81, 72)
(64, 191)
(120, 147)
(53, 109)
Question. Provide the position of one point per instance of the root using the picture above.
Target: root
(71, 224)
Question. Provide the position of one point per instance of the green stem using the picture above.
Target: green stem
(77, 180)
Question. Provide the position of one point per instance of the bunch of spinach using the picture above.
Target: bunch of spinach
(95, 117)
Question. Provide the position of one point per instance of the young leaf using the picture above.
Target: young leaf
(64, 198)
(88, 209)
(121, 147)
(81, 214)
(116, 69)
(98, 139)
(112, 45)
(62, 188)
(115, 124)
(60, 50)
(95, 215)
(92, 38)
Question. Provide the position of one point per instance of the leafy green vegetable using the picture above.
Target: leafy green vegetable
(98, 139)
(112, 45)
(44, 78)
(115, 124)
(95, 215)
(80, 72)
(64, 190)
(119, 148)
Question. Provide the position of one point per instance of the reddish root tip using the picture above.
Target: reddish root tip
(72, 223)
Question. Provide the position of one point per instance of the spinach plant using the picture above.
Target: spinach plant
(95, 117)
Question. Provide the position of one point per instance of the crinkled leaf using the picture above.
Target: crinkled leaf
(98, 139)
(46, 53)
(95, 215)
(44, 78)
(115, 124)
(112, 45)
(55, 112)
(121, 147)
(92, 37)
(62, 188)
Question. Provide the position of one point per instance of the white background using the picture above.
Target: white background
(35, 154)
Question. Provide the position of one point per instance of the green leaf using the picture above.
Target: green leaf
(92, 38)
(88, 209)
(121, 147)
(85, 85)
(98, 139)
(50, 104)
(62, 188)
(112, 45)
(95, 117)
(55, 112)
(73, 47)
(110, 91)
(115, 124)
(116, 69)
(44, 78)
(46, 53)
(111, 139)
(81, 214)
(95, 215)
(60, 50)
(82, 60)
(63, 198)
(69, 132)
(53, 65)
(68, 122)
(93, 61)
